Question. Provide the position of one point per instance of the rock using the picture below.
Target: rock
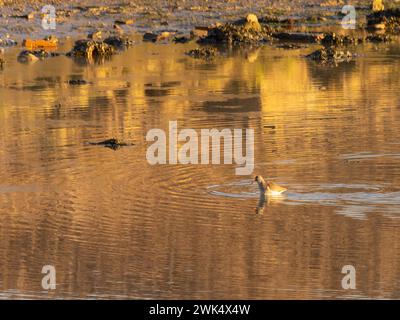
(124, 22)
(27, 56)
(379, 38)
(118, 43)
(252, 23)
(96, 35)
(118, 29)
(91, 49)
(236, 33)
(330, 55)
(377, 5)
(299, 36)
(330, 39)
(150, 37)
(199, 32)
(181, 39)
(2, 62)
(7, 42)
(386, 19)
(153, 37)
(206, 53)
(28, 16)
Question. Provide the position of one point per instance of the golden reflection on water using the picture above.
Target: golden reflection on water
(114, 226)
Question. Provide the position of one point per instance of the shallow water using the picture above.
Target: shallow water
(116, 227)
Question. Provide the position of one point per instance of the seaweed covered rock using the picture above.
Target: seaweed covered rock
(330, 55)
(244, 31)
(333, 39)
(386, 19)
(91, 49)
(376, 38)
(206, 53)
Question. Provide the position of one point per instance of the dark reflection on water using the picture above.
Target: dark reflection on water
(116, 227)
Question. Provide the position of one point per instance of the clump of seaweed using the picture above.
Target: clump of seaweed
(333, 39)
(331, 55)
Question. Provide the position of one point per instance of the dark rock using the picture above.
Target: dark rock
(181, 39)
(118, 43)
(299, 36)
(124, 22)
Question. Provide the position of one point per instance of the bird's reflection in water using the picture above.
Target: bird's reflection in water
(268, 200)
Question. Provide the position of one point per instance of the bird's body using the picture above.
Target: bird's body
(269, 188)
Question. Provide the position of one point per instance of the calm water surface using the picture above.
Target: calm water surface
(116, 227)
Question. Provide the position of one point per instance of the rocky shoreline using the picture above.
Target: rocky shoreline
(108, 28)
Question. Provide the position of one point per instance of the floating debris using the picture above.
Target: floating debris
(206, 53)
(330, 55)
(48, 42)
(112, 143)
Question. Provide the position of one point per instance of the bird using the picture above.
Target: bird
(269, 188)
